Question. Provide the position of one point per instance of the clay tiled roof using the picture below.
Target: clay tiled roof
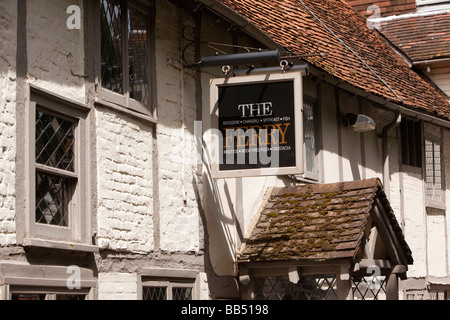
(420, 38)
(293, 25)
(317, 222)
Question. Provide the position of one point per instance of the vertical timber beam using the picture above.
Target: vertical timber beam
(344, 283)
(392, 287)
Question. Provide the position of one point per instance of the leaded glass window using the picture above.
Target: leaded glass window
(310, 287)
(154, 294)
(55, 169)
(138, 54)
(369, 288)
(433, 170)
(171, 291)
(112, 48)
(125, 59)
(182, 294)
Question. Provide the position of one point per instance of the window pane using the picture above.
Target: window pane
(182, 294)
(111, 31)
(154, 294)
(138, 54)
(54, 142)
(365, 288)
(309, 136)
(53, 195)
(411, 135)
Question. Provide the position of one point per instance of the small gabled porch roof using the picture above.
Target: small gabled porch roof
(324, 223)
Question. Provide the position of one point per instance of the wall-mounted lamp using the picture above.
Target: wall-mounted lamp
(359, 123)
(241, 58)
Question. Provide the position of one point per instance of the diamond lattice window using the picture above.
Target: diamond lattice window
(55, 169)
(154, 294)
(112, 51)
(125, 50)
(369, 288)
(182, 294)
(54, 142)
(314, 287)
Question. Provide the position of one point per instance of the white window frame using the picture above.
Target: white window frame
(78, 235)
(109, 98)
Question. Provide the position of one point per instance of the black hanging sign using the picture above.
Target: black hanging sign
(257, 125)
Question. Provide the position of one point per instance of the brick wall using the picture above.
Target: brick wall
(125, 191)
(387, 8)
(7, 122)
(117, 286)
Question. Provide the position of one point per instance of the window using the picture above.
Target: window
(58, 202)
(310, 139)
(310, 287)
(433, 170)
(172, 291)
(125, 54)
(32, 293)
(364, 288)
(58, 297)
(411, 142)
(168, 290)
(22, 281)
(161, 285)
(56, 178)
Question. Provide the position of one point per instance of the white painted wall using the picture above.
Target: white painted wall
(8, 34)
(179, 214)
(441, 76)
(125, 190)
(55, 53)
(117, 286)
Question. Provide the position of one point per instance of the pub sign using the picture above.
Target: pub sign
(258, 127)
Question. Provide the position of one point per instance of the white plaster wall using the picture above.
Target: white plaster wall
(8, 37)
(441, 76)
(351, 141)
(414, 211)
(117, 286)
(329, 135)
(55, 53)
(203, 287)
(436, 244)
(179, 213)
(125, 190)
